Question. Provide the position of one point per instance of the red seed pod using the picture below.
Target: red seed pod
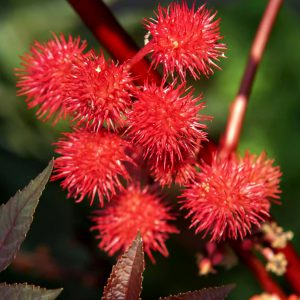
(166, 124)
(232, 195)
(134, 210)
(99, 92)
(185, 39)
(91, 164)
(44, 70)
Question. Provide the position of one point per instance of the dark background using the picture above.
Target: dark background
(61, 227)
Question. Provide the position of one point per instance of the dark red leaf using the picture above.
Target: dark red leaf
(17, 214)
(125, 281)
(28, 292)
(217, 293)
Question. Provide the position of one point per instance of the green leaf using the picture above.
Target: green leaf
(217, 293)
(17, 214)
(26, 292)
(125, 281)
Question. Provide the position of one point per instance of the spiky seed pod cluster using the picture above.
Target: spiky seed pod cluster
(185, 39)
(60, 79)
(135, 210)
(231, 196)
(226, 198)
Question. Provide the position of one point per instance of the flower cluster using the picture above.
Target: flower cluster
(128, 140)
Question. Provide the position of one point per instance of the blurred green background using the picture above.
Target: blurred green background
(60, 230)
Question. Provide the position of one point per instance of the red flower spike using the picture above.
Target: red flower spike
(91, 164)
(134, 210)
(231, 196)
(165, 123)
(98, 92)
(43, 73)
(185, 40)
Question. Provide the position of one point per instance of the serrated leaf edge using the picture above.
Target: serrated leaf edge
(44, 178)
(229, 286)
(31, 286)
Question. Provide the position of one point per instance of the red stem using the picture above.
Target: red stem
(258, 269)
(292, 273)
(230, 140)
(139, 55)
(238, 107)
(99, 19)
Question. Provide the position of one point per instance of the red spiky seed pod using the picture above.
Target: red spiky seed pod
(165, 122)
(185, 39)
(99, 91)
(262, 171)
(134, 210)
(230, 196)
(182, 172)
(91, 164)
(44, 70)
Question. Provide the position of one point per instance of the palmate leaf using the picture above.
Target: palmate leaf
(16, 217)
(217, 293)
(26, 292)
(125, 281)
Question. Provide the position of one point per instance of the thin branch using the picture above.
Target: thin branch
(238, 108)
(292, 273)
(105, 27)
(258, 269)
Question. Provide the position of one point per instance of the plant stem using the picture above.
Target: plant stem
(139, 55)
(292, 273)
(99, 19)
(238, 107)
(259, 271)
